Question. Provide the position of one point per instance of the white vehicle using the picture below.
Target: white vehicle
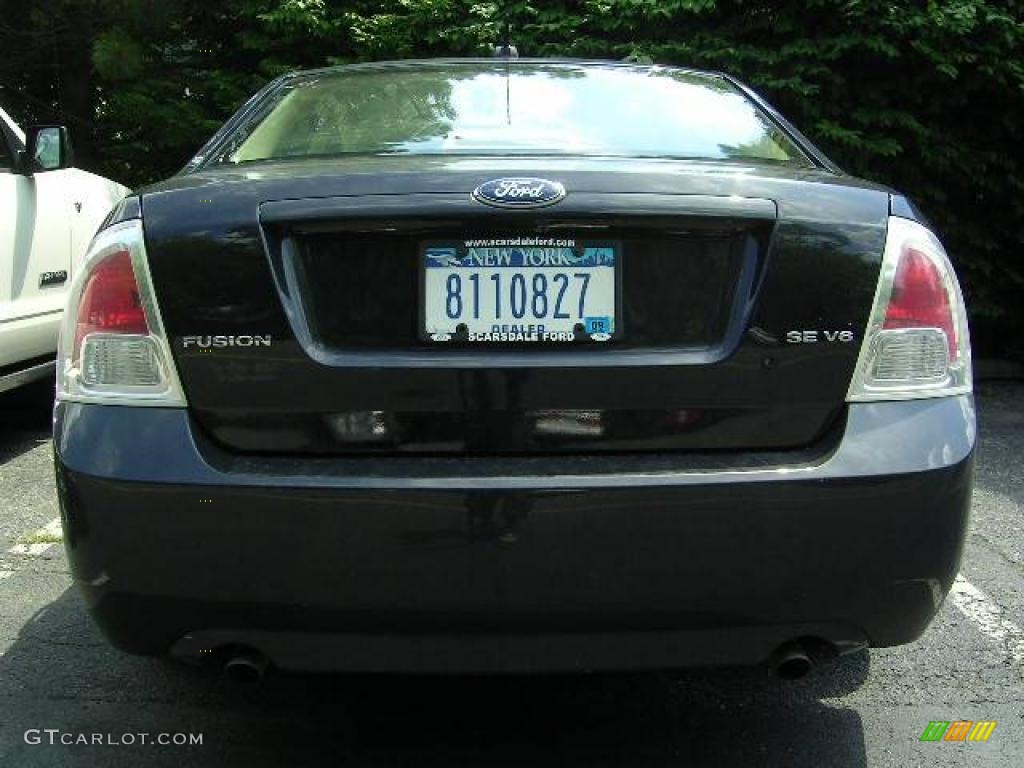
(49, 212)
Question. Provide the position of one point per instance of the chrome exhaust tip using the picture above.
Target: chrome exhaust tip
(246, 666)
(793, 661)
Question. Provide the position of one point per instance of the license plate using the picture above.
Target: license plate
(526, 289)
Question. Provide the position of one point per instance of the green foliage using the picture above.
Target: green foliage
(925, 96)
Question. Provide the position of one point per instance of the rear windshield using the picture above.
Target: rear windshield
(509, 109)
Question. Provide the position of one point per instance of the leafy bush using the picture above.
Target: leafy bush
(923, 96)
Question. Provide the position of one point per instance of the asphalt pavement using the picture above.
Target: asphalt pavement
(60, 681)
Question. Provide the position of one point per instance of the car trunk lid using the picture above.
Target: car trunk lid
(715, 287)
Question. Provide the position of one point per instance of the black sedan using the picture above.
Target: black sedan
(502, 365)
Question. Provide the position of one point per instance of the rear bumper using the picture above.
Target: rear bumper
(513, 563)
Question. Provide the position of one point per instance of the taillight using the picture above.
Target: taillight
(919, 298)
(112, 348)
(917, 342)
(110, 299)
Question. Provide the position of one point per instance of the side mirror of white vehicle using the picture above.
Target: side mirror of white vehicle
(47, 148)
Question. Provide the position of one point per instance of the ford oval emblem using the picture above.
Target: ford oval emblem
(519, 192)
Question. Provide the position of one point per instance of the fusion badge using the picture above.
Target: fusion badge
(519, 192)
(209, 342)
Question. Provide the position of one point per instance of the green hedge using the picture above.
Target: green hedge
(925, 96)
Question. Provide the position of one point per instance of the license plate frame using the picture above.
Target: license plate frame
(554, 256)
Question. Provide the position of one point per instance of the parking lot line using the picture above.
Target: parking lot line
(988, 616)
(39, 540)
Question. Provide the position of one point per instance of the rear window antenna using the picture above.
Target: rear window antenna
(506, 50)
